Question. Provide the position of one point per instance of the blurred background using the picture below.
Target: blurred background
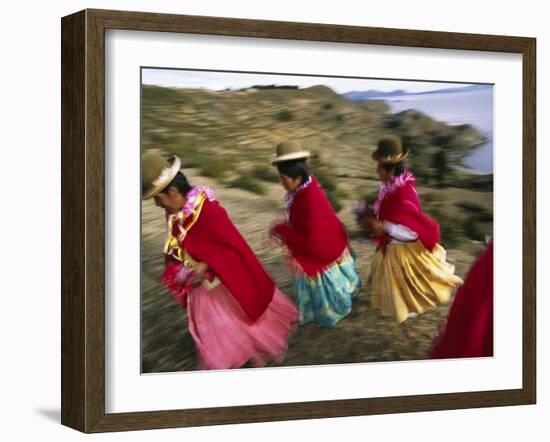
(224, 127)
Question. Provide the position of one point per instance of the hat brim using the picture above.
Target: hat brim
(165, 178)
(394, 159)
(290, 156)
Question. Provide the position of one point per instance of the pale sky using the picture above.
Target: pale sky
(224, 80)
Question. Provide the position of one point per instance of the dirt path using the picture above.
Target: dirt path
(361, 337)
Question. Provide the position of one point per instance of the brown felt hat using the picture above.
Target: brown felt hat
(389, 150)
(157, 173)
(289, 150)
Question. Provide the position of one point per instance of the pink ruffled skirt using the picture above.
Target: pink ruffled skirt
(226, 338)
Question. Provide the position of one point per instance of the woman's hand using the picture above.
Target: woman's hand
(359, 210)
(197, 274)
(377, 227)
(272, 235)
(182, 275)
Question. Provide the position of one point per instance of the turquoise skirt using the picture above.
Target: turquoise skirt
(327, 298)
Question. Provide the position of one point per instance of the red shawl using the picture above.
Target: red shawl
(315, 236)
(215, 240)
(402, 206)
(469, 331)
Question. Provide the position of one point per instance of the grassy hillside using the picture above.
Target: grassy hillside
(231, 135)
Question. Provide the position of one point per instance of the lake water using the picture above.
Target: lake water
(473, 107)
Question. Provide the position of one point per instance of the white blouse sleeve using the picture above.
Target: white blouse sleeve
(400, 232)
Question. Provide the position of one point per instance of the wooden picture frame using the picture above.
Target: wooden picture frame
(83, 220)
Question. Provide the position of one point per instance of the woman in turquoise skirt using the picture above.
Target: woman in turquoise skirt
(325, 278)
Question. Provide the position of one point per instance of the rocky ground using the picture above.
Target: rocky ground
(364, 336)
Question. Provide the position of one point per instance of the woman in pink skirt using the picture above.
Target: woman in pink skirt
(236, 314)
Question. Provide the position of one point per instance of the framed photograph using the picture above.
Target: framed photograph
(266, 220)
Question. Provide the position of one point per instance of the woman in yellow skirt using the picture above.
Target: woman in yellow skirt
(409, 273)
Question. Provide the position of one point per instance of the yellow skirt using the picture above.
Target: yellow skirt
(410, 279)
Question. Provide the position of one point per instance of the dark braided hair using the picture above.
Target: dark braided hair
(294, 169)
(180, 183)
(397, 168)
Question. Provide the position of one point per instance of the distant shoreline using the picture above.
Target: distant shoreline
(474, 107)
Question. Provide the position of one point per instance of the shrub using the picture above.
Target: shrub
(452, 227)
(482, 183)
(284, 115)
(247, 183)
(342, 194)
(265, 173)
(473, 229)
(452, 232)
(328, 183)
(327, 180)
(189, 162)
(477, 211)
(431, 197)
(469, 206)
(335, 202)
(371, 197)
(216, 168)
(484, 216)
(440, 164)
(190, 156)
